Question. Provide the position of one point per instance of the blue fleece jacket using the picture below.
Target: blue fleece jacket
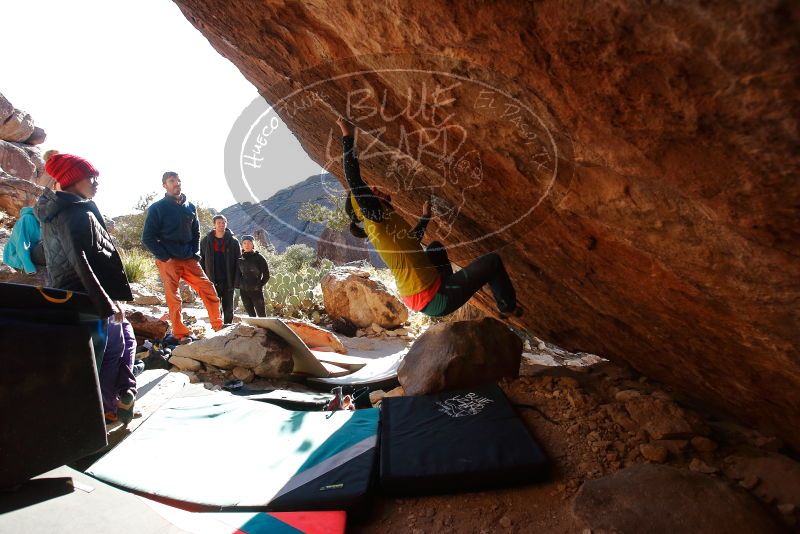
(171, 229)
(25, 235)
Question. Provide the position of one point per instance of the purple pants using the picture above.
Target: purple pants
(116, 373)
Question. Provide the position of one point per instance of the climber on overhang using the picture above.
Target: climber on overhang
(425, 279)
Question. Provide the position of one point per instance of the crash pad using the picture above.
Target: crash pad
(470, 439)
(69, 502)
(266, 457)
(330, 522)
(41, 379)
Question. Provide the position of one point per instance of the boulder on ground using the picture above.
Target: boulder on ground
(188, 295)
(344, 326)
(776, 478)
(144, 297)
(460, 354)
(663, 419)
(243, 374)
(315, 337)
(242, 345)
(146, 326)
(185, 364)
(661, 499)
(351, 294)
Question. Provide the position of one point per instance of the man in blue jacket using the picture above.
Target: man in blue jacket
(172, 233)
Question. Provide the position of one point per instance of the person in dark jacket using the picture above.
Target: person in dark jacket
(253, 276)
(219, 251)
(172, 233)
(78, 249)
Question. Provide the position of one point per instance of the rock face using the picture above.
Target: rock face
(241, 346)
(341, 247)
(660, 499)
(459, 355)
(351, 294)
(16, 193)
(636, 163)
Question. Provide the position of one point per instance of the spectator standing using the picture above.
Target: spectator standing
(172, 233)
(253, 276)
(219, 253)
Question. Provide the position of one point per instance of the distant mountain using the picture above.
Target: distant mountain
(277, 215)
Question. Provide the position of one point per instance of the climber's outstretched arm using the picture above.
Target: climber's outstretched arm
(370, 205)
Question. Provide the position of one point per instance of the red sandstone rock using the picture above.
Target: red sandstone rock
(16, 194)
(654, 183)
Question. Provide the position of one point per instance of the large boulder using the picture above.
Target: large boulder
(142, 296)
(146, 326)
(636, 163)
(351, 294)
(244, 346)
(460, 354)
(16, 193)
(664, 500)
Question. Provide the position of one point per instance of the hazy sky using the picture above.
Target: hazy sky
(137, 90)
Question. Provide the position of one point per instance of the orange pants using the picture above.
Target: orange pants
(171, 273)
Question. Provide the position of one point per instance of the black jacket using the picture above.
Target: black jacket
(253, 271)
(232, 253)
(79, 252)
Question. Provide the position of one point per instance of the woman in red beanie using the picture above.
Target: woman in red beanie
(79, 253)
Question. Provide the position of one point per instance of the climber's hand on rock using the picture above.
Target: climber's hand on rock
(346, 126)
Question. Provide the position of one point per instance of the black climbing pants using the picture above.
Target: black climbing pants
(253, 302)
(225, 295)
(457, 288)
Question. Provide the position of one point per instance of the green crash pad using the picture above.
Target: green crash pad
(223, 452)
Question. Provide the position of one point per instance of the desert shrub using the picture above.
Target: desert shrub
(334, 217)
(138, 265)
(297, 257)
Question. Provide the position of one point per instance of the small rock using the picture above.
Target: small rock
(768, 443)
(185, 364)
(244, 374)
(376, 396)
(627, 395)
(654, 453)
(506, 522)
(375, 327)
(703, 444)
(749, 482)
(787, 508)
(699, 466)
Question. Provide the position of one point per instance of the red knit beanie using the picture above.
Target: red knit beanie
(68, 169)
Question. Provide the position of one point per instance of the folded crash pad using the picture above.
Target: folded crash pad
(49, 393)
(454, 441)
(227, 453)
